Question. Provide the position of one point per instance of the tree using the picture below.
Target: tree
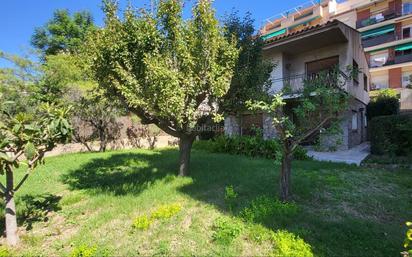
(27, 132)
(63, 33)
(168, 71)
(100, 114)
(251, 77)
(317, 107)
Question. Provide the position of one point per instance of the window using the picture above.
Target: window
(406, 32)
(365, 83)
(355, 73)
(379, 81)
(406, 78)
(354, 120)
(407, 8)
(379, 59)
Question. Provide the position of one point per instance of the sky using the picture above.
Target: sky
(19, 18)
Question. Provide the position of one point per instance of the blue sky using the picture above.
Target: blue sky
(18, 18)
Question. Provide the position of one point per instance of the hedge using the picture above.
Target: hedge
(391, 135)
(253, 146)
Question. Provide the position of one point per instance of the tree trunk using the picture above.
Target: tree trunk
(10, 213)
(285, 177)
(185, 146)
(103, 141)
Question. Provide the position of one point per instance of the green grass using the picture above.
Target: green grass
(90, 202)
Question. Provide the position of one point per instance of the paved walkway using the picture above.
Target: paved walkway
(354, 155)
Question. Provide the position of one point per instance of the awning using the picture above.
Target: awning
(274, 34)
(378, 31)
(304, 22)
(403, 47)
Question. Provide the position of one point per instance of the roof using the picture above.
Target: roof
(306, 30)
(302, 31)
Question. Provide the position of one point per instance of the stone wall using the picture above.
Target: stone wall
(232, 125)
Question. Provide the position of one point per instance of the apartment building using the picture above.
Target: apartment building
(386, 31)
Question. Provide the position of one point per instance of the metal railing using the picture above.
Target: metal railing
(378, 17)
(403, 58)
(373, 41)
(295, 84)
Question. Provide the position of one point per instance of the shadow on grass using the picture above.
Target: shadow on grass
(315, 220)
(122, 173)
(34, 208)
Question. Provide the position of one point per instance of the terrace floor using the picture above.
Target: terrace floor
(354, 155)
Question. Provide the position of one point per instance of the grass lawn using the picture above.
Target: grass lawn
(91, 201)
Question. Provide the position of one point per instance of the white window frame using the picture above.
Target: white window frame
(380, 82)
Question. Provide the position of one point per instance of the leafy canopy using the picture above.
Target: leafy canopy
(63, 33)
(167, 70)
(251, 77)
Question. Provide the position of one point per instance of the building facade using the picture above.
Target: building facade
(304, 53)
(386, 31)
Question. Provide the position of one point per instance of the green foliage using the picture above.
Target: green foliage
(259, 233)
(253, 146)
(230, 197)
(84, 251)
(226, 230)
(386, 102)
(63, 33)
(166, 211)
(5, 252)
(165, 69)
(391, 135)
(161, 213)
(263, 208)
(408, 239)
(142, 222)
(251, 78)
(290, 245)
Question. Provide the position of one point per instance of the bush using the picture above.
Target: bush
(408, 240)
(226, 230)
(142, 222)
(230, 197)
(385, 103)
(252, 146)
(162, 212)
(84, 251)
(290, 245)
(391, 135)
(166, 211)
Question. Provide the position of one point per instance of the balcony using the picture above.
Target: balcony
(403, 58)
(294, 84)
(381, 39)
(377, 18)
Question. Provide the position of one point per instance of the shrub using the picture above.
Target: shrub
(290, 245)
(252, 146)
(226, 230)
(166, 211)
(142, 222)
(391, 135)
(264, 207)
(408, 240)
(385, 103)
(84, 251)
(163, 212)
(230, 197)
(5, 252)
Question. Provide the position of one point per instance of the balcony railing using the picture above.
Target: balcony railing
(403, 58)
(294, 84)
(377, 18)
(373, 41)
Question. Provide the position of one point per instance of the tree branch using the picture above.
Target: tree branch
(311, 131)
